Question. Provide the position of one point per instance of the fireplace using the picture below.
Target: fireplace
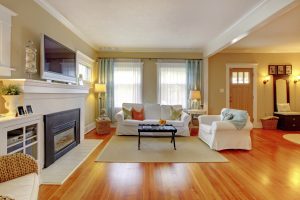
(62, 133)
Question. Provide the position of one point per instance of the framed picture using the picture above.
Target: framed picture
(21, 110)
(272, 70)
(280, 69)
(288, 69)
(29, 109)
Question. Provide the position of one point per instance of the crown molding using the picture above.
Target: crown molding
(56, 14)
(256, 18)
(150, 50)
(258, 50)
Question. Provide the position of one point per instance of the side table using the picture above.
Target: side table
(103, 125)
(195, 113)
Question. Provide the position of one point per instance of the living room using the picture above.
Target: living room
(212, 100)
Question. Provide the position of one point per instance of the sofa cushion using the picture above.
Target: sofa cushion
(175, 114)
(138, 114)
(22, 188)
(151, 121)
(132, 122)
(165, 111)
(127, 113)
(175, 123)
(136, 106)
(206, 128)
(152, 111)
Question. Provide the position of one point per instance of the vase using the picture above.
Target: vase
(11, 103)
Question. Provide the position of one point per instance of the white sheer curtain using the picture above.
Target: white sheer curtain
(172, 83)
(127, 81)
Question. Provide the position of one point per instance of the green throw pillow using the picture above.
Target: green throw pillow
(127, 113)
(175, 114)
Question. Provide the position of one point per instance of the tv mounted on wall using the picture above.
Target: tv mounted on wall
(58, 62)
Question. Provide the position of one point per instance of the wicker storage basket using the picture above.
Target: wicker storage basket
(269, 123)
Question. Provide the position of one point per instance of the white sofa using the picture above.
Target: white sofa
(220, 135)
(153, 113)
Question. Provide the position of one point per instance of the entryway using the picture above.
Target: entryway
(241, 87)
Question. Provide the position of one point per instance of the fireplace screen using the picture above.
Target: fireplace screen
(63, 139)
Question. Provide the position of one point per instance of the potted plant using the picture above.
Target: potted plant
(11, 94)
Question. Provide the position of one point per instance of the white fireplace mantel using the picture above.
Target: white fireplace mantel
(37, 86)
(47, 98)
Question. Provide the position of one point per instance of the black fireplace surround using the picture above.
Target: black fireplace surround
(62, 133)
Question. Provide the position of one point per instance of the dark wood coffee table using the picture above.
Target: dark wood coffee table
(157, 128)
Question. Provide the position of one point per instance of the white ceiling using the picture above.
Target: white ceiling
(152, 25)
(278, 36)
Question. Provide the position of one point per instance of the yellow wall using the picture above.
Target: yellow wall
(217, 79)
(149, 69)
(30, 23)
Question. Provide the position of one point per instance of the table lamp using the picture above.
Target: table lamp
(100, 88)
(195, 95)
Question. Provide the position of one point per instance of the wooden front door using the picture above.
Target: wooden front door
(241, 89)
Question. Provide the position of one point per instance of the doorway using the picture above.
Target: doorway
(241, 88)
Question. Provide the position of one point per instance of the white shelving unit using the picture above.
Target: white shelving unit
(22, 134)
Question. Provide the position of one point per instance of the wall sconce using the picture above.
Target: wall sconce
(266, 79)
(296, 79)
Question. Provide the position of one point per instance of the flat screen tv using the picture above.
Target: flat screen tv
(58, 62)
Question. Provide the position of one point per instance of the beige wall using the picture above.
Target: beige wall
(149, 68)
(217, 79)
(30, 23)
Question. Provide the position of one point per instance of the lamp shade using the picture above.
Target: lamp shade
(195, 95)
(100, 88)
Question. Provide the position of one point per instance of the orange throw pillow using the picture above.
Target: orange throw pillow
(138, 115)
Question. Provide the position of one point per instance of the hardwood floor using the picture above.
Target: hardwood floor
(270, 171)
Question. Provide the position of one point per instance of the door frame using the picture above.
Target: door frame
(252, 66)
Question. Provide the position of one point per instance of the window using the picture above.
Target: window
(84, 67)
(85, 71)
(127, 82)
(240, 78)
(172, 83)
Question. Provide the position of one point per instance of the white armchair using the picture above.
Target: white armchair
(220, 135)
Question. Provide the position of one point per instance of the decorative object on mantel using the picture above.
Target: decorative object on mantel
(80, 79)
(11, 94)
(21, 110)
(30, 59)
(280, 69)
(29, 109)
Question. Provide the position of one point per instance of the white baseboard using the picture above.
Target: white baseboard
(89, 127)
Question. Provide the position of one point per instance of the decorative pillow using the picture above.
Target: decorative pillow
(127, 113)
(175, 114)
(283, 107)
(5, 198)
(138, 115)
(227, 116)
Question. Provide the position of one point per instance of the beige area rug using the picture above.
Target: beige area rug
(157, 149)
(59, 172)
(295, 138)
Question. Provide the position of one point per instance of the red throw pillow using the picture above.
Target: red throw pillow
(138, 115)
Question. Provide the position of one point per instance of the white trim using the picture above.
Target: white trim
(253, 20)
(85, 60)
(44, 87)
(56, 14)
(89, 127)
(256, 122)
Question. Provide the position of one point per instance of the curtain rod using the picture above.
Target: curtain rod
(153, 58)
